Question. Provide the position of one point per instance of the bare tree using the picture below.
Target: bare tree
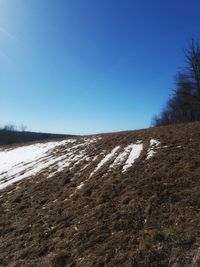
(9, 127)
(22, 127)
(193, 60)
(184, 105)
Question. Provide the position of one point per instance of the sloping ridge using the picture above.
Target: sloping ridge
(120, 199)
(8, 137)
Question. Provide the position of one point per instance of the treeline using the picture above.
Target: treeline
(12, 127)
(184, 104)
(8, 137)
(11, 134)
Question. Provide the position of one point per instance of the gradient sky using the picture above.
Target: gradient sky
(88, 66)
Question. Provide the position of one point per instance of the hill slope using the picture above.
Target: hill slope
(120, 199)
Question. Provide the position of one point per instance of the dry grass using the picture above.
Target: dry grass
(146, 217)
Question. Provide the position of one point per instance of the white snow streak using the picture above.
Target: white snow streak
(121, 157)
(134, 154)
(153, 145)
(105, 159)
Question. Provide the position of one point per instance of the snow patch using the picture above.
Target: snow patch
(27, 161)
(80, 186)
(154, 144)
(121, 157)
(21, 162)
(105, 159)
(136, 150)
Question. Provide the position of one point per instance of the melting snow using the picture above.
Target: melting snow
(53, 157)
(134, 154)
(26, 161)
(21, 162)
(79, 186)
(154, 142)
(153, 145)
(121, 157)
(105, 159)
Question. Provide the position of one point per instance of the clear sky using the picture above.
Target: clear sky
(89, 66)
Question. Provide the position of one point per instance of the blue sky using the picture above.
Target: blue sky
(74, 66)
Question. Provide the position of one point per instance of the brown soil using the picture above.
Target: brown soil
(148, 216)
